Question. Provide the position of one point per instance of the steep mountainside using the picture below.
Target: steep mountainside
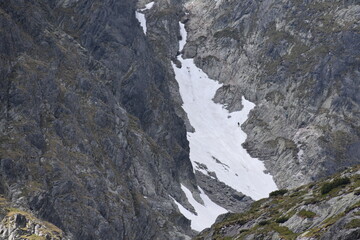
(299, 62)
(326, 210)
(90, 140)
(93, 136)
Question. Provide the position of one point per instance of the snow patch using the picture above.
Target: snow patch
(217, 139)
(183, 34)
(205, 214)
(148, 6)
(141, 16)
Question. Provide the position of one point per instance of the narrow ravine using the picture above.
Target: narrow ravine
(216, 142)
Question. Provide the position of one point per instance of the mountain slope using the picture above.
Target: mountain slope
(298, 61)
(329, 209)
(90, 140)
(92, 133)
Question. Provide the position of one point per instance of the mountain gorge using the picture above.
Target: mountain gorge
(94, 136)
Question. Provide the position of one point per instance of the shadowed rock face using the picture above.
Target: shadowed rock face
(90, 140)
(299, 62)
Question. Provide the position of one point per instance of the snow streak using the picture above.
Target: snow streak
(141, 16)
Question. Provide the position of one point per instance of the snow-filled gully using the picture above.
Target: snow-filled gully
(216, 142)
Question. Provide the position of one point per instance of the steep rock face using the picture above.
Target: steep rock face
(93, 136)
(90, 140)
(324, 210)
(163, 35)
(299, 62)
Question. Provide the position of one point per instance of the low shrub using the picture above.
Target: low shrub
(263, 223)
(311, 201)
(306, 214)
(311, 185)
(327, 187)
(355, 223)
(282, 219)
(243, 230)
(280, 192)
(349, 209)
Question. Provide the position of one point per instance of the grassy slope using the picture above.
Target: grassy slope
(272, 216)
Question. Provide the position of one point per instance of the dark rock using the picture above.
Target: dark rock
(222, 194)
(37, 140)
(89, 127)
(20, 221)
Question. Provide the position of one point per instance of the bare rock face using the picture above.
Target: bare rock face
(90, 139)
(222, 194)
(92, 133)
(298, 61)
(93, 136)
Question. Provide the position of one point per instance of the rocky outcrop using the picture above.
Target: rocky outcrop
(18, 224)
(298, 61)
(222, 194)
(326, 210)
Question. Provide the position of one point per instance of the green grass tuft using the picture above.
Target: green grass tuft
(306, 214)
(355, 223)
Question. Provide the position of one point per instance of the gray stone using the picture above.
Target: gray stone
(297, 67)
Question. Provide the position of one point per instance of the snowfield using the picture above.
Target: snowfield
(217, 140)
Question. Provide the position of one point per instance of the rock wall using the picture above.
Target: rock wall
(299, 62)
(90, 140)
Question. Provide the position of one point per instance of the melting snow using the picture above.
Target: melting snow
(183, 36)
(217, 139)
(141, 16)
(206, 214)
